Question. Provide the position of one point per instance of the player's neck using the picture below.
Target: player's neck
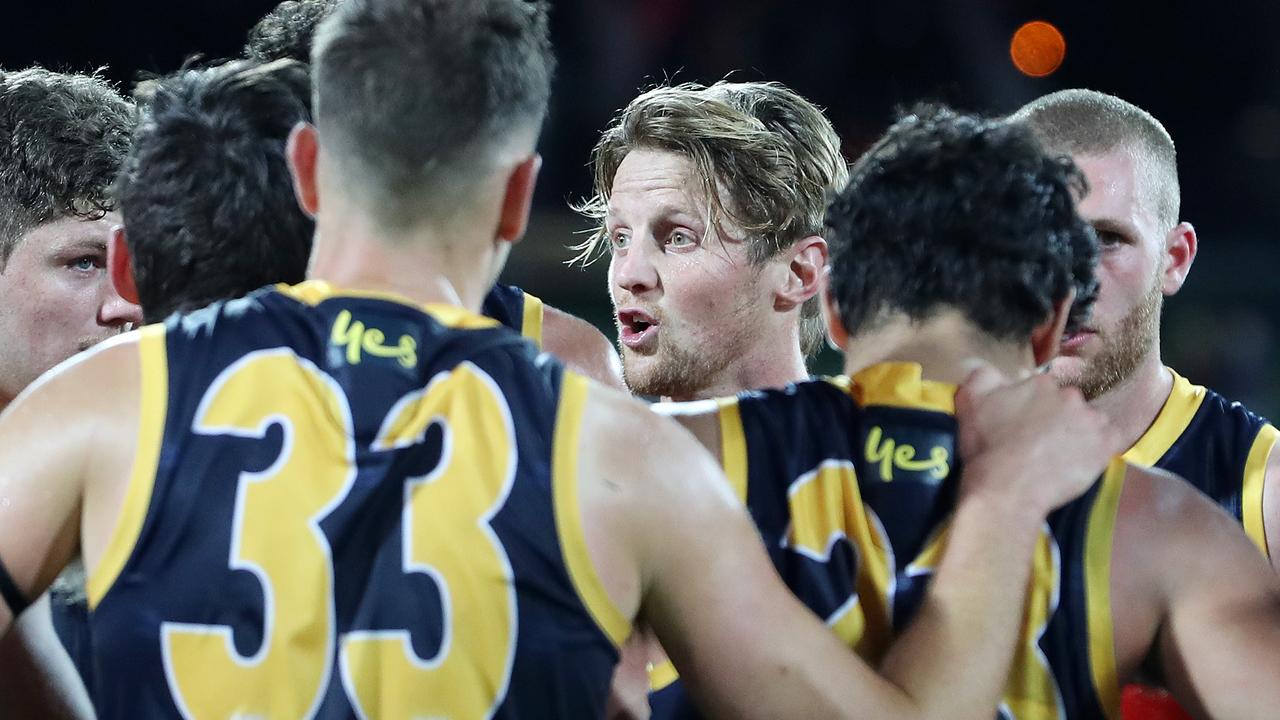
(356, 254)
(1133, 404)
(947, 348)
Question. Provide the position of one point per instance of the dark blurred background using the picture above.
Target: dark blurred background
(1209, 70)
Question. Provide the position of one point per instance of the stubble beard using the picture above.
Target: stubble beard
(1123, 348)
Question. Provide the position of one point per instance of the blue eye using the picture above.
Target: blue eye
(680, 239)
(619, 240)
(86, 263)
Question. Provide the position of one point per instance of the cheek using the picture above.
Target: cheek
(711, 304)
(1121, 282)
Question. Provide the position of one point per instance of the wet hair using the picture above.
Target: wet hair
(953, 211)
(206, 193)
(774, 153)
(65, 137)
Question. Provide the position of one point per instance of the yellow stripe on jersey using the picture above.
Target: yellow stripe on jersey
(662, 675)
(152, 412)
(1097, 569)
(1184, 400)
(1255, 471)
(314, 292)
(531, 322)
(900, 385)
(573, 540)
(733, 446)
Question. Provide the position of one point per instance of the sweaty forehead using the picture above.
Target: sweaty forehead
(653, 179)
(1121, 191)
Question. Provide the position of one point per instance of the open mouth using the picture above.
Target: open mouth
(637, 329)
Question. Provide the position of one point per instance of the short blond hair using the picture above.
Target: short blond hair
(775, 154)
(1088, 122)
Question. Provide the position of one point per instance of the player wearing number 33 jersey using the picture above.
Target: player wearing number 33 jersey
(363, 489)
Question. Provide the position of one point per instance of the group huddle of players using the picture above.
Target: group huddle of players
(337, 472)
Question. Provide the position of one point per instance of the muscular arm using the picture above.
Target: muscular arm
(758, 653)
(77, 422)
(1218, 603)
(581, 346)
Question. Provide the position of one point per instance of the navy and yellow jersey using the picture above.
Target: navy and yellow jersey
(1217, 445)
(516, 309)
(350, 506)
(852, 485)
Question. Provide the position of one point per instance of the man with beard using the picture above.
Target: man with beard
(1167, 422)
(957, 241)
(709, 202)
(405, 510)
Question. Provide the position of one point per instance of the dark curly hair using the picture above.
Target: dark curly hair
(206, 195)
(955, 211)
(286, 32)
(63, 138)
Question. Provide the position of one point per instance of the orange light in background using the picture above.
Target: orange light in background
(1037, 48)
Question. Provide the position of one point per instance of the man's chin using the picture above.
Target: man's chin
(1068, 370)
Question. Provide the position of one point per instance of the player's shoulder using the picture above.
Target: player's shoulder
(1153, 497)
(1215, 406)
(581, 345)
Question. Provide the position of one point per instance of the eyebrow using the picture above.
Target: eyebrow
(664, 211)
(1113, 226)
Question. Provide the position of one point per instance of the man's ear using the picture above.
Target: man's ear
(120, 265)
(518, 199)
(1180, 246)
(1046, 338)
(302, 150)
(837, 334)
(803, 279)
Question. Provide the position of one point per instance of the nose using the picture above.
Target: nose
(633, 270)
(115, 311)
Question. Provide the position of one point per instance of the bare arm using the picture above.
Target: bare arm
(581, 346)
(760, 654)
(1219, 637)
(79, 420)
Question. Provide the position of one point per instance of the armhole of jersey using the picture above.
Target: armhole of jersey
(733, 445)
(152, 413)
(531, 319)
(1174, 417)
(662, 675)
(1097, 564)
(1255, 475)
(573, 541)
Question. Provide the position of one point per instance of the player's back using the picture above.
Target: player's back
(852, 485)
(344, 505)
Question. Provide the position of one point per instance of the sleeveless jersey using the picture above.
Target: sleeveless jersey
(347, 505)
(1217, 445)
(1221, 448)
(852, 484)
(516, 309)
(509, 305)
